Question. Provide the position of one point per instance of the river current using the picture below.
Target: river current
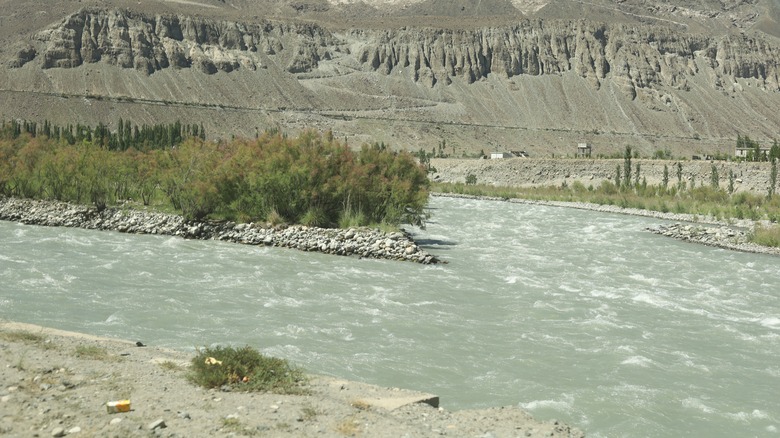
(574, 315)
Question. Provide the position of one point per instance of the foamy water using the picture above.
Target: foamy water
(573, 315)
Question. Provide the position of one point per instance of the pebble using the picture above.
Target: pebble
(58, 432)
(364, 242)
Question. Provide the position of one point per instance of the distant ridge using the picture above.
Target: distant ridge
(533, 75)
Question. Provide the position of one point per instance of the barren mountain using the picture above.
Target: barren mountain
(533, 75)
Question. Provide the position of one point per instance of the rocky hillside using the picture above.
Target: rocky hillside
(531, 75)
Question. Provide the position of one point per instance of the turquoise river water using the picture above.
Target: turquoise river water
(574, 315)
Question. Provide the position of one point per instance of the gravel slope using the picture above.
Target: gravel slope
(530, 172)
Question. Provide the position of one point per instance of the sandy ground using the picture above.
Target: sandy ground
(57, 383)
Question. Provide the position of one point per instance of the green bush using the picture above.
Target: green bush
(310, 179)
(246, 369)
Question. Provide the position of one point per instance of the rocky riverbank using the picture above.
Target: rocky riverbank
(718, 236)
(362, 242)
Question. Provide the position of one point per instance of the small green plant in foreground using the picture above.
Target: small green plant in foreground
(246, 369)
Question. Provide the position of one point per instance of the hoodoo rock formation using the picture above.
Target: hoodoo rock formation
(635, 58)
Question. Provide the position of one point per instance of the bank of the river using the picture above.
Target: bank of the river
(57, 383)
(707, 230)
(538, 172)
(363, 242)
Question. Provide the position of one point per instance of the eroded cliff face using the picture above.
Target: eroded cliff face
(539, 85)
(150, 44)
(633, 57)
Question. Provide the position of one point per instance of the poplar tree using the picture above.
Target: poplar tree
(666, 176)
(627, 166)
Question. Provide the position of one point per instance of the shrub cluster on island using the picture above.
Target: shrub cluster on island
(311, 179)
(244, 190)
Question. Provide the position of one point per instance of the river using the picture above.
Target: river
(573, 315)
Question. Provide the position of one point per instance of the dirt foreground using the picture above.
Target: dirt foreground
(57, 383)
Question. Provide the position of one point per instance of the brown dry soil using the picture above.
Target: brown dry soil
(56, 383)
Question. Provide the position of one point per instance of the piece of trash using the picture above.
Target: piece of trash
(213, 361)
(114, 407)
(158, 424)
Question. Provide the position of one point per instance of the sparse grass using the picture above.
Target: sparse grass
(23, 336)
(387, 227)
(235, 427)
(274, 218)
(245, 369)
(352, 219)
(766, 235)
(170, 365)
(309, 413)
(360, 405)
(92, 352)
(116, 384)
(20, 363)
(231, 424)
(284, 426)
(349, 426)
(314, 217)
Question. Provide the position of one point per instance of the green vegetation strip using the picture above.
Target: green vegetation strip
(311, 179)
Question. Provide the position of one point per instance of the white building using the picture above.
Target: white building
(499, 155)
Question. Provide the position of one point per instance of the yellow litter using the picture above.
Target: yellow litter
(213, 361)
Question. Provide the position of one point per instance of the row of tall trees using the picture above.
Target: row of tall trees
(628, 177)
(126, 136)
(311, 179)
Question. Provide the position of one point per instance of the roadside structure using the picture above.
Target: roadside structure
(584, 150)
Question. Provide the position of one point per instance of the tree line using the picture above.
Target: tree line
(311, 179)
(127, 135)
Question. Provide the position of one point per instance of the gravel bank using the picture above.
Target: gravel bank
(363, 242)
(531, 172)
(49, 389)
